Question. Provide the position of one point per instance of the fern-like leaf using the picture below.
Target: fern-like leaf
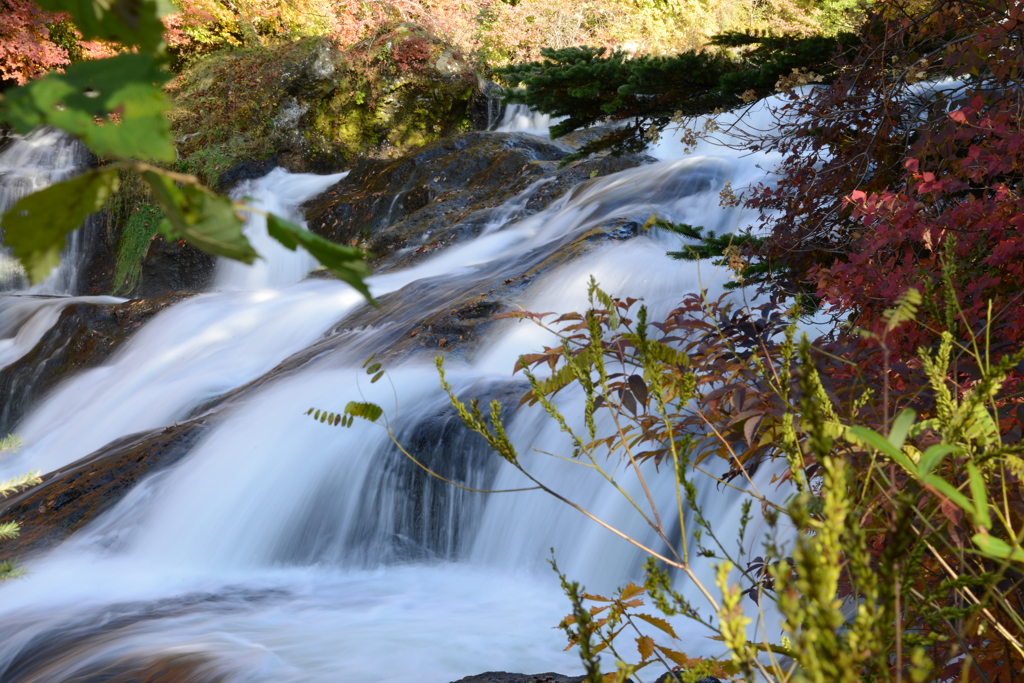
(904, 311)
(18, 483)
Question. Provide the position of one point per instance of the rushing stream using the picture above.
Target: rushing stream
(280, 549)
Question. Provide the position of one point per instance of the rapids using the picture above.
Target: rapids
(280, 549)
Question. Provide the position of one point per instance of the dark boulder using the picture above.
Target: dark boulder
(245, 170)
(84, 336)
(502, 677)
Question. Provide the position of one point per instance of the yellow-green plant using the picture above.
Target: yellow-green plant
(9, 530)
(898, 556)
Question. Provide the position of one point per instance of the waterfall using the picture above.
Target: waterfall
(280, 549)
(28, 164)
(519, 117)
(277, 266)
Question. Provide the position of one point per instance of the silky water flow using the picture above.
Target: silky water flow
(281, 549)
(27, 164)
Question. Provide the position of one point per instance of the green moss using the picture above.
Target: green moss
(225, 105)
(386, 93)
(133, 246)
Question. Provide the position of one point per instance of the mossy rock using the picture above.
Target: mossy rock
(320, 107)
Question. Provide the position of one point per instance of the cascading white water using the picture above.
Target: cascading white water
(519, 117)
(278, 265)
(28, 164)
(280, 549)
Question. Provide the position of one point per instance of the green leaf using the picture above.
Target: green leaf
(126, 85)
(880, 443)
(35, 227)
(997, 548)
(345, 262)
(206, 220)
(933, 456)
(900, 427)
(129, 22)
(946, 489)
(367, 411)
(9, 530)
(980, 495)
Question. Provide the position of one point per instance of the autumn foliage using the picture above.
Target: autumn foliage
(907, 173)
(25, 46)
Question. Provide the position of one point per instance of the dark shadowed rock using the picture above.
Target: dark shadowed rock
(245, 170)
(502, 677)
(83, 337)
(485, 107)
(174, 266)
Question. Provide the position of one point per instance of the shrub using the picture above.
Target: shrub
(907, 558)
(898, 555)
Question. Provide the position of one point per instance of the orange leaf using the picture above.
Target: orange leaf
(631, 590)
(645, 646)
(678, 658)
(658, 623)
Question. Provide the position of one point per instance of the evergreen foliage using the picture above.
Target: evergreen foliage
(593, 85)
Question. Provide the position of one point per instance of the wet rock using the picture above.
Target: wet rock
(69, 497)
(169, 266)
(502, 677)
(618, 229)
(173, 266)
(70, 649)
(485, 107)
(245, 170)
(405, 209)
(85, 335)
(170, 669)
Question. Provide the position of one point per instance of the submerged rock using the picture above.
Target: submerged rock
(502, 677)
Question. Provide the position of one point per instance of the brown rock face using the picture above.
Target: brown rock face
(69, 497)
(84, 336)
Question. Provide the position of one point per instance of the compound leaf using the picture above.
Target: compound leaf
(367, 411)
